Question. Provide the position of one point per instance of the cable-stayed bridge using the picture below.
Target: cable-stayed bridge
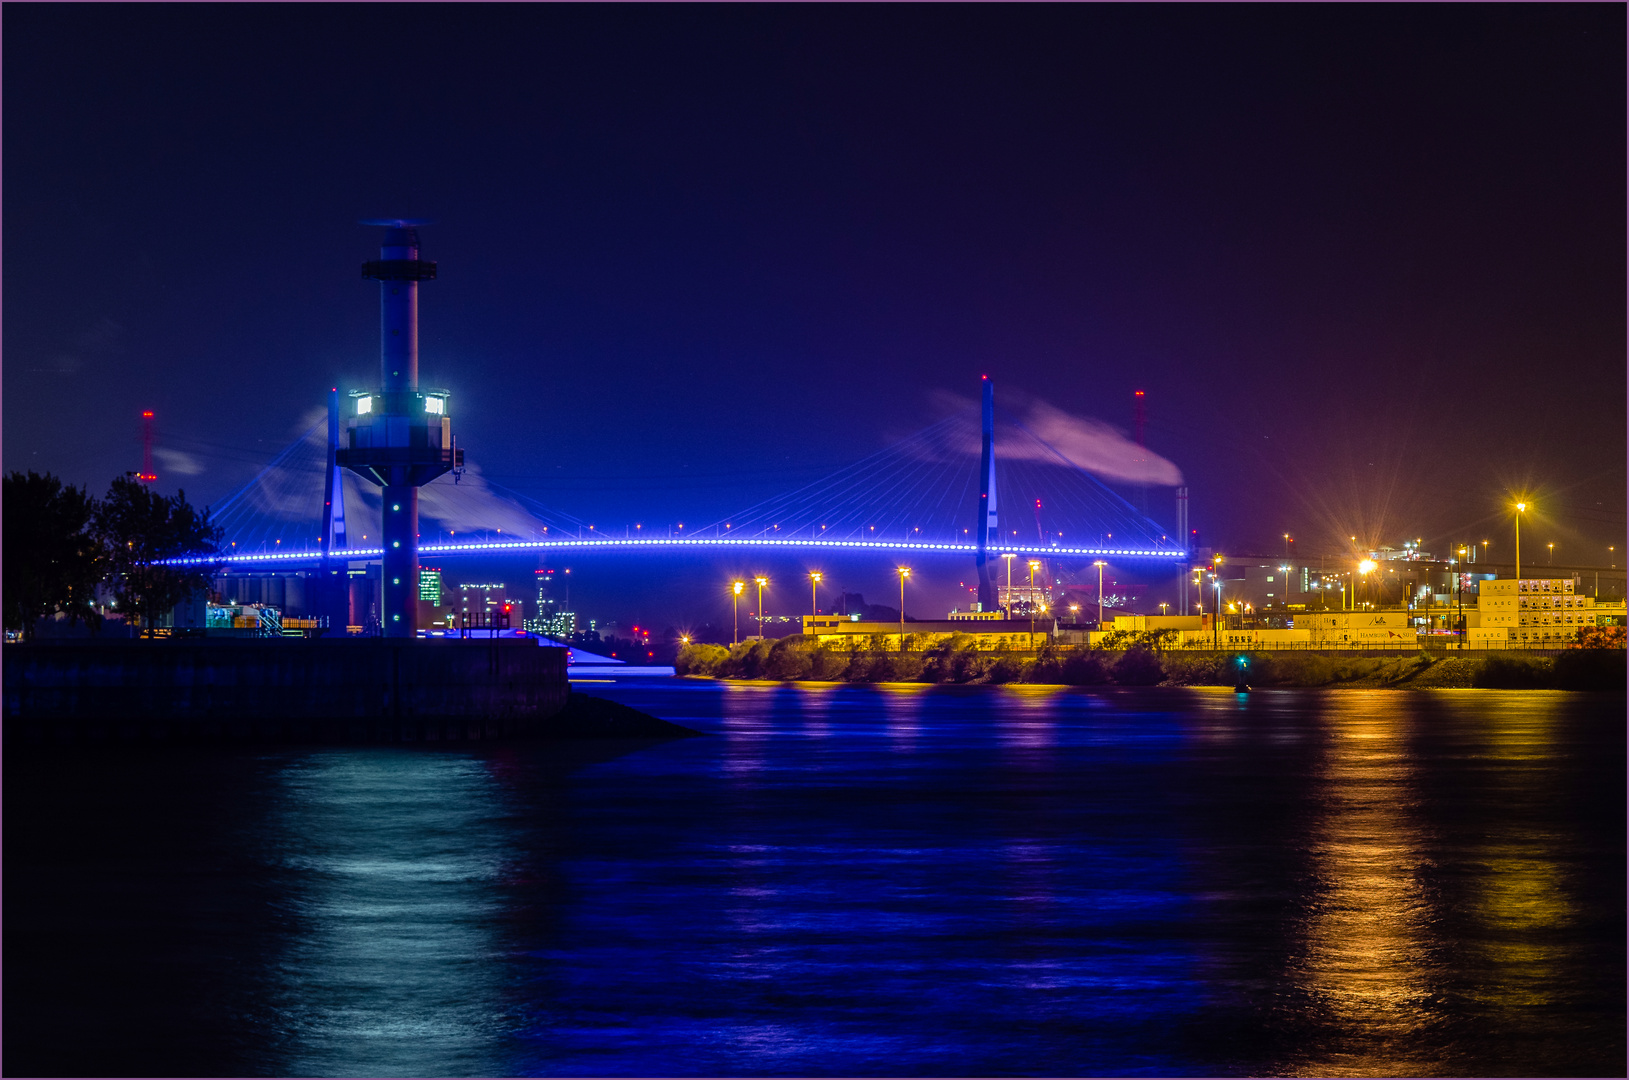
(921, 494)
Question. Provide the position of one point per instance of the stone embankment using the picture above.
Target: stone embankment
(345, 691)
(800, 658)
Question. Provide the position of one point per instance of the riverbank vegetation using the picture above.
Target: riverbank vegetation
(62, 545)
(956, 661)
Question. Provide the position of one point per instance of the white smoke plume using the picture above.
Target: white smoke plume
(470, 505)
(1090, 444)
(178, 462)
(288, 494)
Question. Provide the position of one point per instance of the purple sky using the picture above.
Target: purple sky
(1367, 262)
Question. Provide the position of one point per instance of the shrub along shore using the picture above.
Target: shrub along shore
(800, 658)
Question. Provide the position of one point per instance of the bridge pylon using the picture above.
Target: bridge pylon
(988, 532)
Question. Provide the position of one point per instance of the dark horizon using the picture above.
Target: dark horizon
(1367, 263)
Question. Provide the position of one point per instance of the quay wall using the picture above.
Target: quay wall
(288, 690)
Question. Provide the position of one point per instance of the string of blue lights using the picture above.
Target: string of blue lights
(918, 494)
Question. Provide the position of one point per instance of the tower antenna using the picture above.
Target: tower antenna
(147, 476)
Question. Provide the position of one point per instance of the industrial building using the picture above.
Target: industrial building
(987, 635)
(1543, 613)
(485, 607)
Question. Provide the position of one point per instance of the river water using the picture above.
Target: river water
(908, 880)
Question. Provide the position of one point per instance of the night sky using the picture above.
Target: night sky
(1368, 263)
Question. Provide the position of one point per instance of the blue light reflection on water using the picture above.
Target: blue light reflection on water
(825, 910)
(847, 880)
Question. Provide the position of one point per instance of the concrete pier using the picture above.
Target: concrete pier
(368, 691)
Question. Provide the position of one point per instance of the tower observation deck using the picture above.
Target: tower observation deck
(399, 435)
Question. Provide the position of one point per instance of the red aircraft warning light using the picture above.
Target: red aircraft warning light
(147, 476)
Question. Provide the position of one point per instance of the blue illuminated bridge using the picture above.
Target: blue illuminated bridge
(922, 495)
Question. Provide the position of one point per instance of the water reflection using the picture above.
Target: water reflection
(1367, 962)
(901, 705)
(952, 881)
(1521, 906)
(745, 729)
(395, 856)
(1033, 724)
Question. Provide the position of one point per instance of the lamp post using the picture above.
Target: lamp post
(1552, 553)
(1521, 506)
(1099, 565)
(1364, 569)
(735, 637)
(762, 581)
(814, 583)
(904, 572)
(1216, 620)
(1008, 557)
(1033, 566)
(1459, 580)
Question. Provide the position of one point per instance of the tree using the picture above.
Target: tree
(1599, 637)
(52, 561)
(1160, 640)
(140, 529)
(1116, 640)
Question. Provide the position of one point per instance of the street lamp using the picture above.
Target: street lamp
(1459, 580)
(735, 637)
(1033, 566)
(1099, 565)
(1364, 568)
(904, 572)
(1520, 507)
(762, 581)
(1216, 621)
(1552, 553)
(814, 583)
(1009, 556)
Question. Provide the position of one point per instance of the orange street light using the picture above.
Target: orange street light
(1099, 565)
(1034, 565)
(1520, 508)
(903, 572)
